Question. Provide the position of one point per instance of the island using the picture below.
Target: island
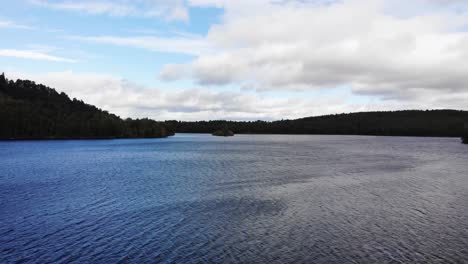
(224, 132)
(465, 139)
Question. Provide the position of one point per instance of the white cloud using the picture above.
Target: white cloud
(396, 54)
(34, 55)
(167, 9)
(192, 44)
(13, 25)
(377, 47)
(128, 99)
(172, 72)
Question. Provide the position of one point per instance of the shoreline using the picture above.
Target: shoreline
(79, 138)
(209, 134)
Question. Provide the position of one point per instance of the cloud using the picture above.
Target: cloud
(172, 72)
(167, 9)
(387, 54)
(186, 44)
(381, 48)
(445, 2)
(33, 55)
(129, 99)
(13, 25)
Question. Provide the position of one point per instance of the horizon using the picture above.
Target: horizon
(204, 60)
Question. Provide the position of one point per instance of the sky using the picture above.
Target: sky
(242, 59)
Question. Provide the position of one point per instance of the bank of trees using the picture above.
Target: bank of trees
(465, 135)
(443, 123)
(33, 111)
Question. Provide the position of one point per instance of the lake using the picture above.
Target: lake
(244, 199)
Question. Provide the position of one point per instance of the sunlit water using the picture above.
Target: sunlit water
(249, 199)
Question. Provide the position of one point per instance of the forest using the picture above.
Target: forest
(34, 111)
(465, 134)
(435, 123)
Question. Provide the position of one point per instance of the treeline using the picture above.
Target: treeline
(465, 135)
(437, 123)
(34, 111)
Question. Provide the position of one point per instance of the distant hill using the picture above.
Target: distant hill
(436, 123)
(33, 111)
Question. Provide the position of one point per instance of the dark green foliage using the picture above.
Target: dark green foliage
(34, 111)
(437, 123)
(224, 132)
(465, 135)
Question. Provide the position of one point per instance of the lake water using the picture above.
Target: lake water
(248, 198)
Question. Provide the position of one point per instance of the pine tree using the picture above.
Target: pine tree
(33, 111)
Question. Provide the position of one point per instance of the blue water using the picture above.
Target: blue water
(244, 199)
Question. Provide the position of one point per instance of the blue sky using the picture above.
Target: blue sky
(52, 30)
(243, 60)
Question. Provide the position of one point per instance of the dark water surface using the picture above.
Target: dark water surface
(245, 199)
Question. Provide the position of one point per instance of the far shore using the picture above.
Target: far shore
(209, 134)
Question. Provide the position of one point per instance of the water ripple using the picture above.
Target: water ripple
(247, 199)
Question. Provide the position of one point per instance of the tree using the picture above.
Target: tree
(465, 134)
(33, 111)
(443, 123)
(3, 82)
